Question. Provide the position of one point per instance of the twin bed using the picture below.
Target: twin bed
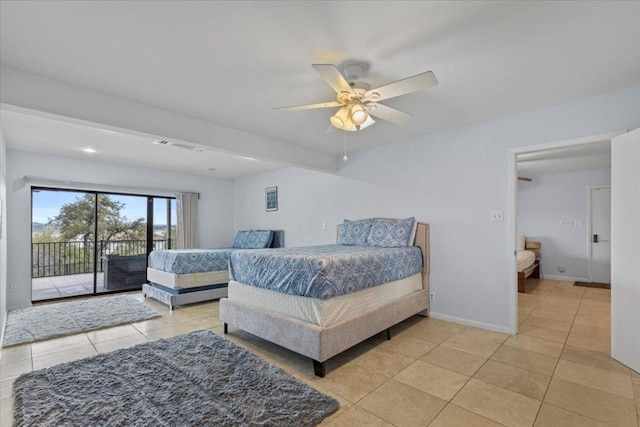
(321, 300)
(528, 254)
(185, 276)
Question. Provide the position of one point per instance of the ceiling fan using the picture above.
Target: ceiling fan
(358, 102)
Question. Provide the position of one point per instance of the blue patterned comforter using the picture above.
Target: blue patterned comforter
(323, 271)
(184, 261)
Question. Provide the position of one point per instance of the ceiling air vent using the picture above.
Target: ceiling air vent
(175, 144)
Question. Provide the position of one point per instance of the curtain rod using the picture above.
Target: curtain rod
(74, 185)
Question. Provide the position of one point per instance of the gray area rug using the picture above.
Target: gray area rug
(196, 379)
(67, 318)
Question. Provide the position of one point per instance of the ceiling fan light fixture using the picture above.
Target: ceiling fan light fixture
(358, 114)
(340, 119)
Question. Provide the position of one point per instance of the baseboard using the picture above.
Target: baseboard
(564, 278)
(468, 322)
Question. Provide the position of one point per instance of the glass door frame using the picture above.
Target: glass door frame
(97, 194)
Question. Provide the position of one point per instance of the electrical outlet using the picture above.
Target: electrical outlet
(13, 288)
(561, 268)
(431, 296)
(324, 225)
(497, 216)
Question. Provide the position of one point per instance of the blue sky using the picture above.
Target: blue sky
(47, 204)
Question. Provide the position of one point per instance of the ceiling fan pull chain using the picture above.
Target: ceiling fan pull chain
(345, 158)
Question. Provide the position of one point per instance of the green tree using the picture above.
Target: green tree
(76, 221)
(46, 235)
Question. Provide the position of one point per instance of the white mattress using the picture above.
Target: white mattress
(525, 259)
(185, 281)
(324, 312)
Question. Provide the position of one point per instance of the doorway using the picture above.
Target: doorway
(600, 234)
(512, 208)
(90, 243)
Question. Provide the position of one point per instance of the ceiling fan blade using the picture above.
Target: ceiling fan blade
(367, 123)
(387, 113)
(311, 106)
(332, 76)
(402, 87)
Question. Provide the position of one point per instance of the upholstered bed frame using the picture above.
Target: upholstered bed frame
(322, 343)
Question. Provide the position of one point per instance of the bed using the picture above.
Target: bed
(185, 276)
(527, 258)
(319, 301)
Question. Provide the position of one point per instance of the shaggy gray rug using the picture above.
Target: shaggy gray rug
(67, 318)
(197, 379)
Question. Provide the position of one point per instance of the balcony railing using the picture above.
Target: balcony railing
(75, 257)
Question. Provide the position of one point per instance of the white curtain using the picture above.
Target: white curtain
(187, 220)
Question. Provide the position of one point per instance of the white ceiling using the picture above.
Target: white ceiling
(575, 158)
(44, 135)
(231, 63)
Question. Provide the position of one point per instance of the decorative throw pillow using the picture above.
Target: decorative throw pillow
(258, 239)
(241, 238)
(391, 233)
(520, 242)
(354, 233)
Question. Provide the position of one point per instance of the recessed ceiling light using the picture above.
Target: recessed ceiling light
(89, 150)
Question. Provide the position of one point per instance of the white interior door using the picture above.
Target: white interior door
(625, 251)
(600, 234)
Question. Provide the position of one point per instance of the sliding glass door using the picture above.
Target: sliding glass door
(88, 243)
(122, 242)
(62, 244)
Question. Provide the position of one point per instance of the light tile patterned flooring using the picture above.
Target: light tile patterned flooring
(44, 288)
(556, 372)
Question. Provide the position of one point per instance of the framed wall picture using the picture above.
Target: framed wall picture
(271, 198)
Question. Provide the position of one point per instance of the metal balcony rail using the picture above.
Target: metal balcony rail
(75, 257)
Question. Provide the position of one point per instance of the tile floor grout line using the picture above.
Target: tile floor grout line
(553, 375)
(556, 365)
(449, 402)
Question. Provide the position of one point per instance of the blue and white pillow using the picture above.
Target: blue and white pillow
(391, 233)
(259, 239)
(354, 233)
(253, 239)
(240, 239)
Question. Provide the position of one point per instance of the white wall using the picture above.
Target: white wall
(3, 233)
(215, 207)
(625, 251)
(547, 200)
(452, 179)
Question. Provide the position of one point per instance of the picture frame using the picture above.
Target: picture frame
(271, 199)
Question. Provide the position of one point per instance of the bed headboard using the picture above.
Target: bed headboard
(278, 239)
(421, 240)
